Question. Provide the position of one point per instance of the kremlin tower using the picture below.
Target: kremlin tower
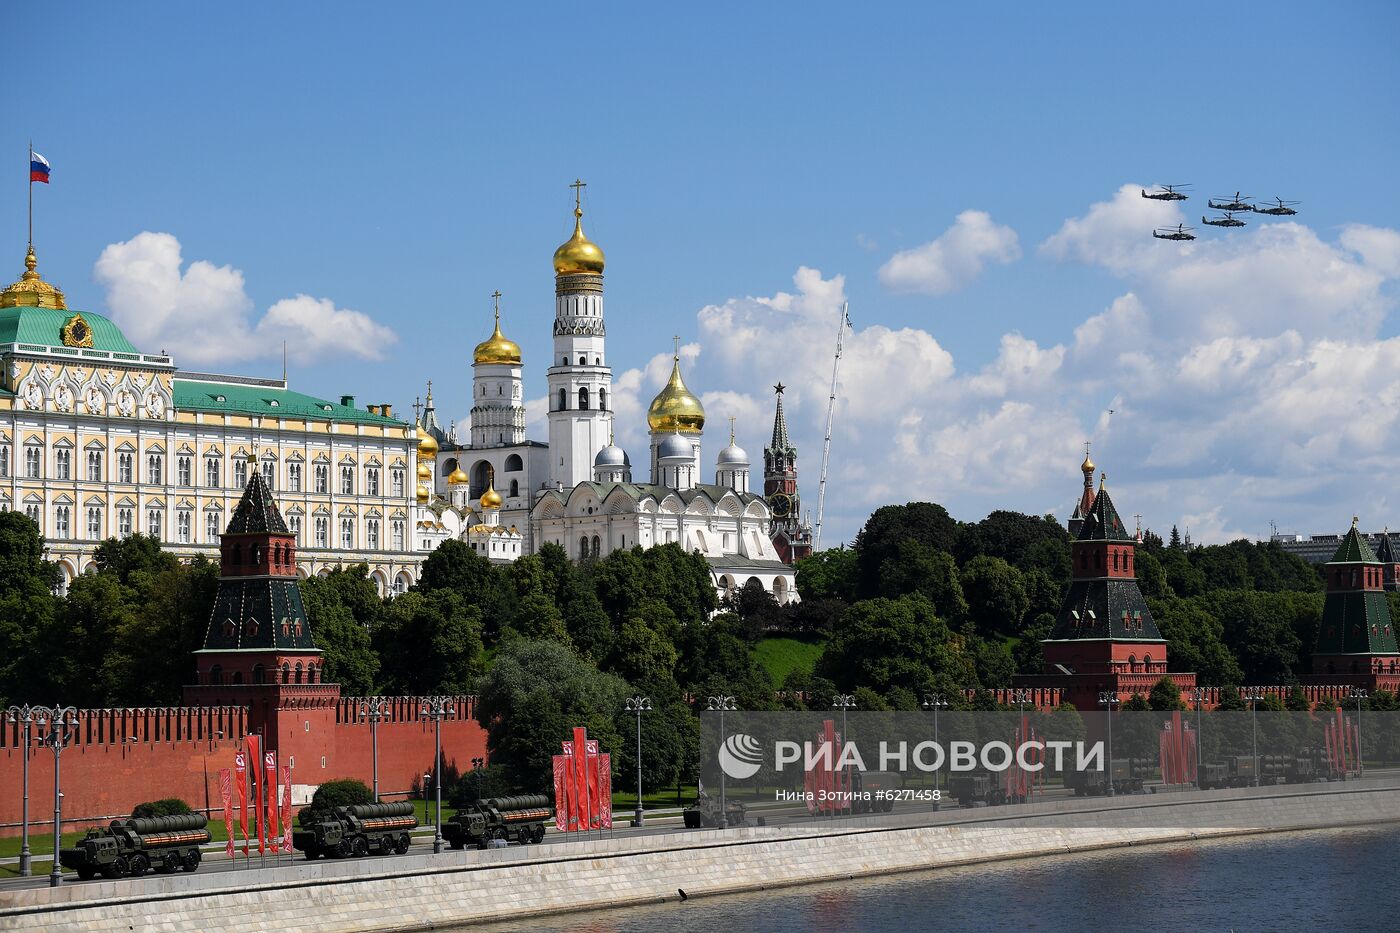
(792, 537)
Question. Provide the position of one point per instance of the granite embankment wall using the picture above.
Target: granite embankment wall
(424, 891)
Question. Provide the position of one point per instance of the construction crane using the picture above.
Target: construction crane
(830, 417)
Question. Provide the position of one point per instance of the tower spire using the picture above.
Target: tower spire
(780, 429)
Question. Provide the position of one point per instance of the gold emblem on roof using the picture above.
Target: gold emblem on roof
(77, 332)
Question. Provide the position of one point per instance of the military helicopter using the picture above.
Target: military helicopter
(1180, 232)
(1238, 204)
(1166, 193)
(1281, 210)
(1227, 221)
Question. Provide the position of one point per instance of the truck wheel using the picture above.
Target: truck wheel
(454, 843)
(191, 862)
(997, 798)
(111, 871)
(169, 864)
(311, 853)
(342, 848)
(538, 833)
(87, 873)
(138, 865)
(360, 847)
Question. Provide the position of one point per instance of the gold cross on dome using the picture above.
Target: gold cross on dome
(578, 186)
(677, 340)
(496, 297)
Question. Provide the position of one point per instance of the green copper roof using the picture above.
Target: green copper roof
(262, 400)
(1102, 523)
(1354, 550)
(1355, 623)
(44, 326)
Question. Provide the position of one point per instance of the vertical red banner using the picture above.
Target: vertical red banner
(226, 793)
(286, 808)
(254, 756)
(561, 793)
(240, 772)
(580, 778)
(605, 789)
(270, 799)
(596, 803)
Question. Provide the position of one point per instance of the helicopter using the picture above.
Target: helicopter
(1180, 232)
(1166, 193)
(1281, 210)
(1238, 204)
(1227, 221)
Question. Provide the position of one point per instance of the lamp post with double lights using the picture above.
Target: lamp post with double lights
(1198, 698)
(1021, 697)
(375, 708)
(1109, 699)
(24, 715)
(843, 702)
(437, 709)
(935, 702)
(56, 728)
(477, 765)
(720, 704)
(1253, 699)
(639, 705)
(1358, 694)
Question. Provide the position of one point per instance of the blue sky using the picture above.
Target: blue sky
(405, 161)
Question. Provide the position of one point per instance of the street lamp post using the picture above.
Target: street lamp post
(935, 702)
(1198, 697)
(721, 703)
(843, 702)
(1358, 694)
(24, 715)
(376, 708)
(1021, 698)
(639, 705)
(56, 727)
(1109, 699)
(477, 765)
(437, 709)
(1254, 697)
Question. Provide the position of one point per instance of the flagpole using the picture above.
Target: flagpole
(30, 173)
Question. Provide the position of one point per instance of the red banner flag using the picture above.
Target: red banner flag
(240, 771)
(286, 808)
(226, 793)
(605, 789)
(580, 776)
(562, 820)
(254, 756)
(270, 799)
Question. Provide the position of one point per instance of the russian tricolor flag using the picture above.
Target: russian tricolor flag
(38, 167)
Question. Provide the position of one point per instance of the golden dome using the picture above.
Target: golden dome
(457, 477)
(1087, 466)
(675, 408)
(490, 499)
(579, 254)
(31, 291)
(422, 494)
(427, 444)
(496, 348)
(425, 472)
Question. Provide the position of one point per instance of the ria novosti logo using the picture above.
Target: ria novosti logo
(741, 756)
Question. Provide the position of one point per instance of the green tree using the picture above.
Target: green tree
(123, 558)
(429, 643)
(916, 567)
(1174, 542)
(829, 574)
(714, 658)
(642, 654)
(1010, 536)
(346, 652)
(1028, 653)
(996, 595)
(885, 643)
(1195, 641)
(879, 539)
(1151, 575)
(1165, 696)
(31, 639)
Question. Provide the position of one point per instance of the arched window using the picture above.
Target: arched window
(602, 399)
(1132, 662)
(514, 464)
(257, 555)
(583, 547)
(258, 674)
(311, 673)
(235, 556)
(563, 400)
(564, 361)
(286, 673)
(583, 398)
(229, 628)
(298, 672)
(1147, 663)
(597, 361)
(583, 361)
(216, 674)
(597, 548)
(237, 677)
(514, 488)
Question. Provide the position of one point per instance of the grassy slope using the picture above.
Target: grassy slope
(782, 656)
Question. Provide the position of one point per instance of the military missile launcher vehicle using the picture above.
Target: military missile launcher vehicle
(131, 847)
(1233, 771)
(976, 787)
(512, 819)
(1126, 775)
(357, 830)
(705, 812)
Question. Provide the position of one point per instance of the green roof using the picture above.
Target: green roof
(1102, 523)
(264, 400)
(1354, 550)
(44, 327)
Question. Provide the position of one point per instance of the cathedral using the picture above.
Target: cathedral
(507, 495)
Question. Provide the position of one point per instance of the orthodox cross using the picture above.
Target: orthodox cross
(578, 186)
(496, 297)
(677, 340)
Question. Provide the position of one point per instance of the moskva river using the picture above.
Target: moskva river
(1346, 880)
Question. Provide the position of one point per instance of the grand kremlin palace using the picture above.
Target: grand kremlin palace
(99, 440)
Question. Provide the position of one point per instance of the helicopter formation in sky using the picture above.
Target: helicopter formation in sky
(1228, 207)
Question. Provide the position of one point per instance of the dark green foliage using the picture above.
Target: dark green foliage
(757, 609)
(624, 580)
(342, 792)
(428, 643)
(1195, 641)
(1165, 696)
(996, 595)
(1028, 653)
(812, 616)
(342, 607)
(885, 643)
(879, 540)
(1231, 701)
(829, 574)
(1261, 630)
(1151, 542)
(170, 806)
(1151, 575)
(916, 567)
(1297, 700)
(31, 641)
(1012, 537)
(490, 781)
(1174, 542)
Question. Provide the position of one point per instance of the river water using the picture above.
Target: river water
(1326, 879)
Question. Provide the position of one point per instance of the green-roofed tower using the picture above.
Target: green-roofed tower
(1356, 642)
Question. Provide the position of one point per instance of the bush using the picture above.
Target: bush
(494, 783)
(343, 792)
(170, 806)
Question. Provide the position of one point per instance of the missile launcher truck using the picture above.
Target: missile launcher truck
(131, 847)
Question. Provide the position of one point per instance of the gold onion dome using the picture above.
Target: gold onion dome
(457, 477)
(675, 408)
(1087, 466)
(33, 292)
(490, 499)
(496, 348)
(427, 444)
(579, 254)
(425, 472)
(422, 494)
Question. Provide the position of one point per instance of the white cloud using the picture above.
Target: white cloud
(201, 314)
(954, 259)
